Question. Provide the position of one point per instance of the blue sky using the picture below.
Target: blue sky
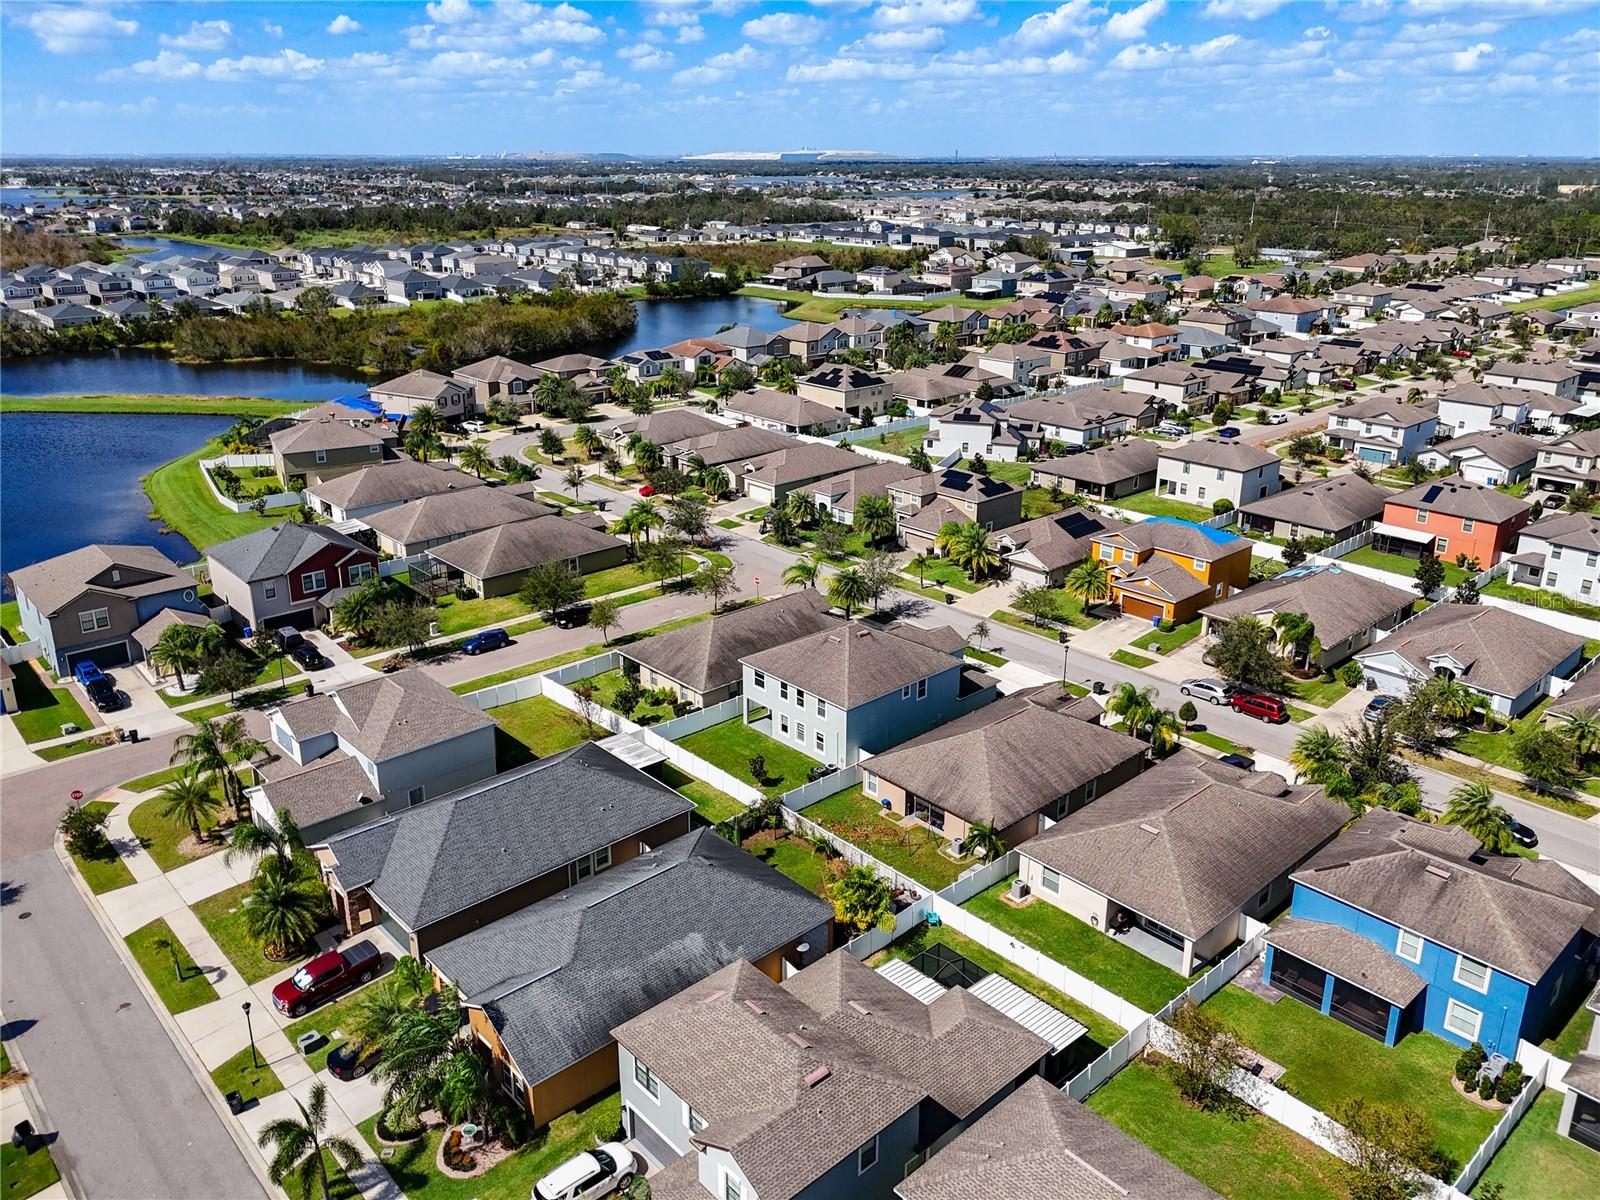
(928, 77)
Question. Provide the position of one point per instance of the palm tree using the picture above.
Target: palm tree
(782, 527)
(974, 552)
(381, 1010)
(715, 482)
(1089, 581)
(849, 591)
(297, 1145)
(984, 841)
(1297, 633)
(1452, 699)
(802, 572)
(639, 519)
(420, 445)
(1473, 808)
(215, 747)
(585, 438)
(946, 538)
(920, 562)
(282, 912)
(429, 1062)
(1162, 728)
(425, 419)
(189, 799)
(1584, 730)
(1134, 705)
(647, 456)
(800, 508)
(574, 479)
(177, 649)
(475, 458)
(1319, 756)
(251, 838)
(874, 519)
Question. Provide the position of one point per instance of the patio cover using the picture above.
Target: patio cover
(1350, 956)
(1405, 533)
(1000, 994)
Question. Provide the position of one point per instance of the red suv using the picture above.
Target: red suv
(1259, 704)
(325, 976)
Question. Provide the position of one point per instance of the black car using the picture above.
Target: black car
(571, 618)
(105, 695)
(1240, 761)
(293, 643)
(353, 1060)
(1522, 835)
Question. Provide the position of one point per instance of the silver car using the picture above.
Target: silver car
(1213, 690)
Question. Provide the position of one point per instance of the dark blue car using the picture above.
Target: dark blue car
(88, 673)
(489, 639)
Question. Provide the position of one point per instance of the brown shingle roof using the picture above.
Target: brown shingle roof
(503, 549)
(1457, 497)
(55, 582)
(1338, 602)
(706, 655)
(1498, 651)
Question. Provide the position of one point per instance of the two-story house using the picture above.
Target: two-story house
(1551, 378)
(811, 342)
(279, 575)
(925, 504)
(1568, 463)
(1383, 430)
(846, 388)
(1472, 407)
(310, 452)
(1561, 554)
(88, 604)
(496, 378)
(1210, 469)
(421, 872)
(1172, 384)
(1450, 517)
(839, 692)
(451, 398)
(1165, 569)
(418, 525)
(1398, 926)
(359, 494)
(368, 748)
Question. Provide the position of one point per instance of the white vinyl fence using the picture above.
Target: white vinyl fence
(235, 462)
(1502, 1130)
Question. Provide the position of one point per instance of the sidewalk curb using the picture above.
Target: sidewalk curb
(251, 1155)
(34, 1102)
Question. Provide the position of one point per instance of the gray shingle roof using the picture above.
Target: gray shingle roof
(1339, 603)
(1584, 1075)
(1109, 464)
(1499, 651)
(388, 716)
(519, 545)
(454, 851)
(1041, 1144)
(1350, 956)
(390, 483)
(53, 583)
(1329, 505)
(451, 514)
(1579, 530)
(555, 978)
(706, 655)
(1060, 539)
(770, 405)
(325, 788)
(851, 665)
(305, 436)
(276, 550)
(1425, 878)
(1233, 455)
(1190, 841)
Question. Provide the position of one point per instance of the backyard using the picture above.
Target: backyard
(1399, 564)
(731, 745)
(42, 709)
(793, 855)
(1092, 954)
(908, 847)
(609, 683)
(1326, 1062)
(536, 728)
(1537, 1161)
(710, 803)
(901, 442)
(1540, 598)
(1163, 506)
(184, 503)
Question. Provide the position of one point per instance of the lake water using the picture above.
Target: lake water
(663, 322)
(69, 479)
(160, 247)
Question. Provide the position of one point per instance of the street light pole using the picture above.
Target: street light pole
(1062, 638)
(254, 1061)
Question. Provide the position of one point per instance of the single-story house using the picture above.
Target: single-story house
(418, 525)
(494, 561)
(1338, 507)
(360, 494)
(1106, 473)
(1347, 610)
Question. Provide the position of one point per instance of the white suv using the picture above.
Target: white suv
(593, 1173)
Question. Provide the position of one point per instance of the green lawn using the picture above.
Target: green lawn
(1323, 693)
(1539, 598)
(908, 847)
(1565, 300)
(223, 917)
(826, 309)
(185, 505)
(458, 616)
(901, 441)
(265, 698)
(983, 656)
(193, 990)
(941, 572)
(792, 856)
(1066, 609)
(242, 1074)
(277, 673)
(731, 744)
(1017, 473)
(1497, 747)
(43, 709)
(330, 1021)
(1241, 1155)
(1215, 740)
(413, 1165)
(104, 872)
(1166, 643)
(1092, 954)
(1536, 1161)
(1514, 787)
(1327, 1062)
(161, 836)
(1399, 564)
(541, 725)
(11, 622)
(1569, 1039)
(1162, 506)
(614, 579)
(1037, 502)
(1220, 265)
(230, 406)
(1129, 659)
(710, 803)
(608, 683)
(25, 1174)
(155, 779)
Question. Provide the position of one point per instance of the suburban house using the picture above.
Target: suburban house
(1172, 384)
(1015, 766)
(359, 494)
(287, 574)
(1569, 462)
(88, 604)
(825, 1086)
(368, 748)
(1382, 429)
(750, 345)
(432, 873)
(1450, 517)
(978, 427)
(837, 495)
(1347, 610)
(846, 389)
(1489, 456)
(1040, 552)
(1552, 378)
(701, 662)
(1338, 507)
(1472, 407)
(494, 561)
(452, 398)
(1580, 1109)
(726, 447)
(811, 342)
(1173, 862)
(1106, 473)
(1561, 553)
(1291, 314)
(1165, 569)
(768, 477)
(1209, 469)
(768, 409)
(544, 986)
(311, 452)
(497, 378)
(858, 688)
(1398, 926)
(667, 427)
(1507, 659)
(418, 525)
(925, 503)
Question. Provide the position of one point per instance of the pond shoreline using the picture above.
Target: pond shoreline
(135, 403)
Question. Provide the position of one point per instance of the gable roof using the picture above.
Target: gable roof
(1106, 464)
(1176, 536)
(853, 664)
(57, 581)
(1459, 497)
(1338, 602)
(418, 385)
(1331, 504)
(385, 717)
(1059, 539)
(519, 545)
(276, 550)
(706, 655)
(1190, 841)
(1498, 651)
(1232, 455)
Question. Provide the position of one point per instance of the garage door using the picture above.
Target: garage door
(1370, 454)
(114, 655)
(1135, 607)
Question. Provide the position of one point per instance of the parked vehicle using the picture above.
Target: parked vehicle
(87, 673)
(353, 1060)
(325, 976)
(1213, 690)
(1461, 354)
(1259, 704)
(1171, 429)
(573, 617)
(1522, 835)
(1240, 761)
(1377, 707)
(1342, 385)
(489, 639)
(1228, 431)
(104, 694)
(298, 647)
(592, 1173)
(647, 490)
(1554, 501)
(1277, 418)
(475, 427)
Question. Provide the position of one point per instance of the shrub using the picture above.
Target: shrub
(1187, 713)
(1218, 507)
(1469, 1061)
(1351, 674)
(455, 1157)
(85, 830)
(463, 592)
(628, 696)
(758, 767)
(1509, 1084)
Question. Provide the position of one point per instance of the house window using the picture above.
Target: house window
(1200, 493)
(821, 741)
(358, 572)
(1185, 468)
(730, 1187)
(602, 859)
(1409, 946)
(1441, 545)
(94, 620)
(314, 581)
(867, 1156)
(1050, 880)
(322, 456)
(783, 690)
(800, 731)
(758, 679)
(1466, 524)
(783, 722)
(645, 1078)
(1462, 1021)
(922, 689)
(822, 707)
(1422, 516)
(414, 796)
(1550, 580)
(1555, 552)
(905, 692)
(800, 697)
(693, 1120)
(1472, 973)
(1091, 790)
(870, 783)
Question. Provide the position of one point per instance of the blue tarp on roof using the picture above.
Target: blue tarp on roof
(364, 402)
(1220, 536)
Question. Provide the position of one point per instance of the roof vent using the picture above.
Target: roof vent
(755, 1008)
(1148, 828)
(715, 996)
(818, 1075)
(859, 1007)
(798, 1040)
(1437, 871)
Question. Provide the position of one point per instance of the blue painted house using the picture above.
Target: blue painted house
(1397, 925)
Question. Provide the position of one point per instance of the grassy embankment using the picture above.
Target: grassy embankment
(227, 406)
(827, 308)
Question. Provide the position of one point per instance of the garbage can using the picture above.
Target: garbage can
(133, 735)
(235, 1102)
(22, 1136)
(949, 597)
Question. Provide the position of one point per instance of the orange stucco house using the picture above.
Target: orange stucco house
(1166, 569)
(1451, 516)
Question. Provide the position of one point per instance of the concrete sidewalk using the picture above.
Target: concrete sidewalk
(20, 1101)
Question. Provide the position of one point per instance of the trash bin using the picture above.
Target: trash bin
(949, 597)
(133, 735)
(235, 1102)
(22, 1135)
(1099, 688)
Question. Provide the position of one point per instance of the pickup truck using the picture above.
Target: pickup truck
(293, 643)
(325, 976)
(88, 673)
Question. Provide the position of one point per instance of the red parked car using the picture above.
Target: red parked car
(1461, 354)
(1259, 704)
(325, 976)
(647, 490)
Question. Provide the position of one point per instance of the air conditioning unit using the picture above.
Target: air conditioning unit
(957, 848)
(1019, 890)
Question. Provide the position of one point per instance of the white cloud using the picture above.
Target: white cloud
(1072, 19)
(202, 35)
(101, 108)
(888, 41)
(75, 30)
(168, 66)
(1242, 10)
(456, 25)
(914, 14)
(784, 29)
(342, 25)
(1143, 57)
(688, 35)
(271, 30)
(1130, 24)
(721, 67)
(285, 64)
(642, 56)
(962, 65)
(450, 12)
(1468, 59)
(1216, 48)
